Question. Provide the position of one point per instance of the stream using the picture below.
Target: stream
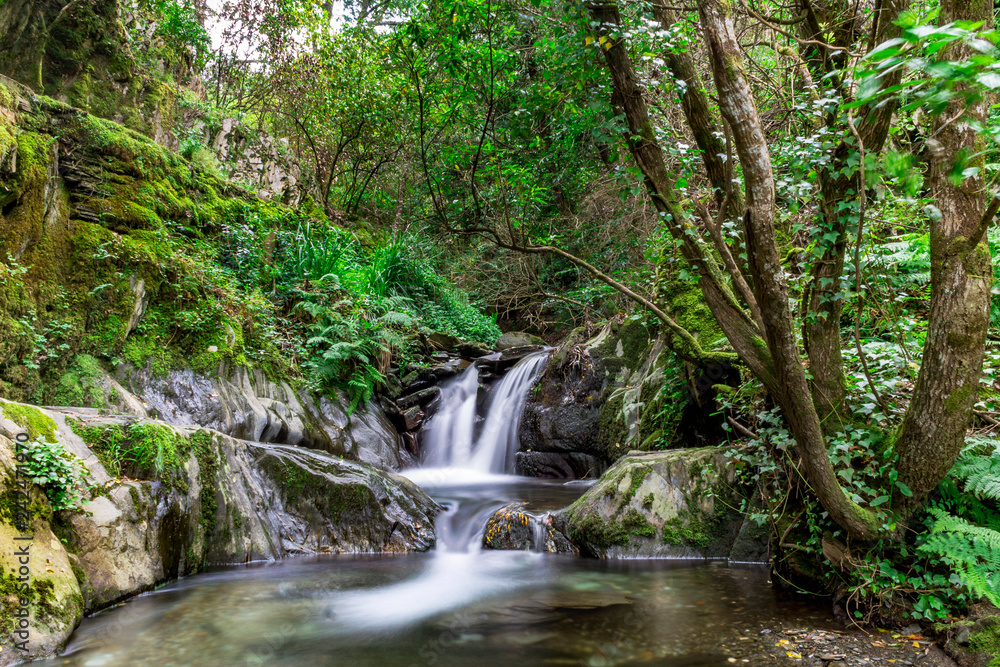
(458, 604)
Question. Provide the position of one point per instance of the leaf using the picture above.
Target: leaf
(991, 80)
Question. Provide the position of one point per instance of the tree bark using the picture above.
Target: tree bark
(933, 430)
(826, 294)
(792, 390)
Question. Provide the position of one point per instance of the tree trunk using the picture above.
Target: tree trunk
(826, 294)
(933, 430)
(792, 389)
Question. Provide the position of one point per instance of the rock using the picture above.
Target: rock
(513, 529)
(241, 402)
(411, 444)
(555, 465)
(140, 302)
(517, 339)
(57, 604)
(471, 351)
(422, 397)
(442, 341)
(619, 390)
(217, 500)
(975, 641)
(450, 368)
(680, 503)
(413, 417)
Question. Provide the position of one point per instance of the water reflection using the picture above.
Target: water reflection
(450, 607)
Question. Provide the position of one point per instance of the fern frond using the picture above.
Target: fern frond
(972, 551)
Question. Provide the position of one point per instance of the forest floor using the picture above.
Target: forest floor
(835, 648)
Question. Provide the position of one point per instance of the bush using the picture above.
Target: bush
(60, 473)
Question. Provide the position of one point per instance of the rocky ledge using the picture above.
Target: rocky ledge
(202, 498)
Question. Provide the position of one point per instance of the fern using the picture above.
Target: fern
(972, 551)
(967, 537)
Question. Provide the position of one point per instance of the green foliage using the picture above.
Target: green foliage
(60, 473)
(965, 520)
(137, 449)
(353, 349)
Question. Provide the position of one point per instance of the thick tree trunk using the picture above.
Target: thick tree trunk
(792, 390)
(933, 430)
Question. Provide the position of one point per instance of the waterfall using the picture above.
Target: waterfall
(450, 439)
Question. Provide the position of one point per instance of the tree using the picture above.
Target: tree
(934, 425)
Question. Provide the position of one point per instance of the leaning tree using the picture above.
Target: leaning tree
(751, 301)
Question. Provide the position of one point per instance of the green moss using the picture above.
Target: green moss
(600, 534)
(638, 474)
(204, 450)
(34, 421)
(80, 384)
(985, 639)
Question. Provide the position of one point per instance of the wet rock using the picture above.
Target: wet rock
(57, 604)
(242, 403)
(450, 368)
(615, 391)
(517, 339)
(411, 443)
(513, 529)
(471, 351)
(681, 503)
(413, 418)
(422, 397)
(555, 465)
(218, 500)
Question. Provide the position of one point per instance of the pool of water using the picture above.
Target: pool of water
(453, 606)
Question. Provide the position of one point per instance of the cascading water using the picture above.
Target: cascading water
(450, 440)
(464, 473)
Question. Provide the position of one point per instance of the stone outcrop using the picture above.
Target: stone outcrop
(244, 404)
(517, 339)
(684, 503)
(511, 528)
(606, 394)
(214, 500)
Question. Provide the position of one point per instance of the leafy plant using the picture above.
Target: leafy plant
(60, 473)
(965, 522)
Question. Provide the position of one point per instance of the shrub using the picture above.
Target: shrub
(60, 473)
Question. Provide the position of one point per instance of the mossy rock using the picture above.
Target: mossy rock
(683, 503)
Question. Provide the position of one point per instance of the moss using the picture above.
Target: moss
(11, 592)
(80, 384)
(34, 421)
(598, 534)
(985, 639)
(204, 451)
(638, 474)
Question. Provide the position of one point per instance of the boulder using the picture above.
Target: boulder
(242, 403)
(500, 362)
(518, 339)
(556, 465)
(215, 500)
(511, 528)
(975, 640)
(603, 395)
(683, 503)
